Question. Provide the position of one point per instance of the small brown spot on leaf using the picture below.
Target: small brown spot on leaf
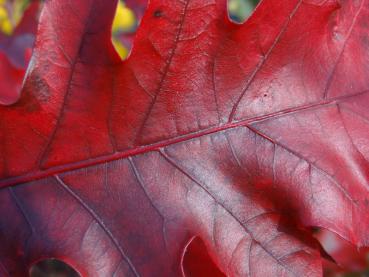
(158, 13)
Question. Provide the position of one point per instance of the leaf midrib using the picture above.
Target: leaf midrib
(39, 174)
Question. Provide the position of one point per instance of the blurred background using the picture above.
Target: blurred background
(127, 18)
(17, 31)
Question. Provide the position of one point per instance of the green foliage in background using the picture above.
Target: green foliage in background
(240, 10)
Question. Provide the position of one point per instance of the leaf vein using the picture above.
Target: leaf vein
(262, 62)
(98, 220)
(185, 173)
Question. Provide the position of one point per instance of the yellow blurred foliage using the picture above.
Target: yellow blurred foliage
(5, 24)
(233, 6)
(10, 14)
(124, 20)
(120, 48)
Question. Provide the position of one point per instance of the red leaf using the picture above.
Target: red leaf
(244, 136)
(11, 84)
(197, 262)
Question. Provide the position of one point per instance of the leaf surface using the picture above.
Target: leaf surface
(244, 136)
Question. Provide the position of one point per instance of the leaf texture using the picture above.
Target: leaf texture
(244, 136)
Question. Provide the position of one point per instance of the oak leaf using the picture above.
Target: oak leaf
(240, 136)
